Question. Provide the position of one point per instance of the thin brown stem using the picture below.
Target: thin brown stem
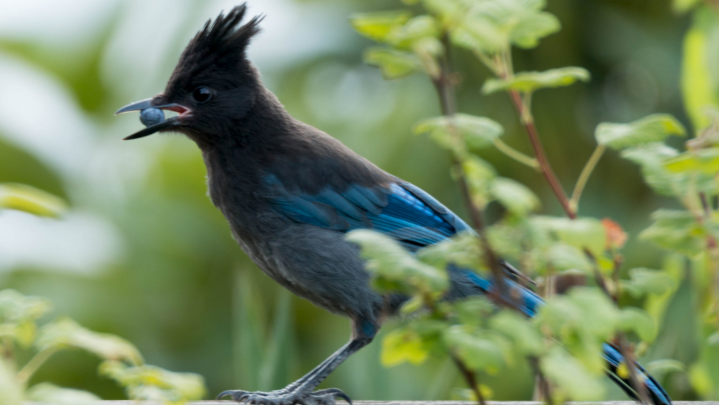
(544, 165)
(632, 367)
(471, 379)
(444, 84)
(544, 388)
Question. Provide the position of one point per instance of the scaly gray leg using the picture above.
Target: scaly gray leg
(301, 391)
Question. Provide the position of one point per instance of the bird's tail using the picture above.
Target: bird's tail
(530, 302)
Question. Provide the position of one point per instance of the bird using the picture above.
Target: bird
(291, 193)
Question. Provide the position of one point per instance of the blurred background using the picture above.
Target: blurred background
(144, 254)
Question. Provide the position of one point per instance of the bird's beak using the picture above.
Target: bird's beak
(148, 103)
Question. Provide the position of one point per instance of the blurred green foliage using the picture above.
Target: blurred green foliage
(158, 266)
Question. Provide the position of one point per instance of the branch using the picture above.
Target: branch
(444, 84)
(471, 379)
(527, 120)
(584, 176)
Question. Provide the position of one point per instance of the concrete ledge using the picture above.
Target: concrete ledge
(411, 403)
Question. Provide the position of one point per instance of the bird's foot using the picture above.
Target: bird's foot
(283, 397)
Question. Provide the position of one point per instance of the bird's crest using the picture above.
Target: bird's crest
(221, 42)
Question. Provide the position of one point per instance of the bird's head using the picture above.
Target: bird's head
(212, 86)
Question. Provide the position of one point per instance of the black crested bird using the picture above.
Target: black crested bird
(290, 193)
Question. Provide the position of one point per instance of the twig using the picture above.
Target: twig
(516, 155)
(544, 389)
(471, 379)
(445, 89)
(584, 176)
(632, 367)
(546, 168)
(34, 364)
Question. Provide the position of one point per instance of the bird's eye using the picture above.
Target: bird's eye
(202, 94)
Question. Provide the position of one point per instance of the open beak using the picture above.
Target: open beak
(168, 123)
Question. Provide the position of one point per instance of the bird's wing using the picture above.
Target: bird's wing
(401, 211)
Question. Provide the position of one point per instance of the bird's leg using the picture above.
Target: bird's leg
(301, 391)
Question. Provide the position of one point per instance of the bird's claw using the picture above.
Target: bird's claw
(281, 397)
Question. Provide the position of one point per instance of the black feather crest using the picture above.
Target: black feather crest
(223, 40)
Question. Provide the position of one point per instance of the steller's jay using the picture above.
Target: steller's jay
(290, 193)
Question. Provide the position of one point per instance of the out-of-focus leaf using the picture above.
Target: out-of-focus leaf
(699, 79)
(10, 389)
(479, 175)
(463, 250)
(51, 394)
(515, 196)
(569, 375)
(638, 321)
(475, 132)
(479, 350)
(152, 383)
(664, 366)
(652, 157)
(15, 307)
(31, 200)
(387, 260)
(379, 26)
(414, 30)
(564, 256)
(528, 82)
(705, 161)
(682, 6)
(584, 233)
(477, 35)
(65, 332)
(675, 230)
(653, 128)
(645, 281)
(402, 345)
(394, 64)
(516, 327)
(18, 314)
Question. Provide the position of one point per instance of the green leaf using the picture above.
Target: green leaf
(416, 29)
(481, 351)
(479, 175)
(651, 158)
(569, 375)
(65, 332)
(463, 250)
(699, 77)
(402, 345)
(675, 230)
(150, 383)
(564, 256)
(638, 321)
(515, 196)
(583, 233)
(448, 132)
(48, 393)
(10, 390)
(525, 337)
(379, 26)
(646, 281)
(665, 365)
(31, 200)
(682, 6)
(528, 82)
(653, 128)
(16, 307)
(388, 261)
(394, 64)
(705, 161)
(532, 28)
